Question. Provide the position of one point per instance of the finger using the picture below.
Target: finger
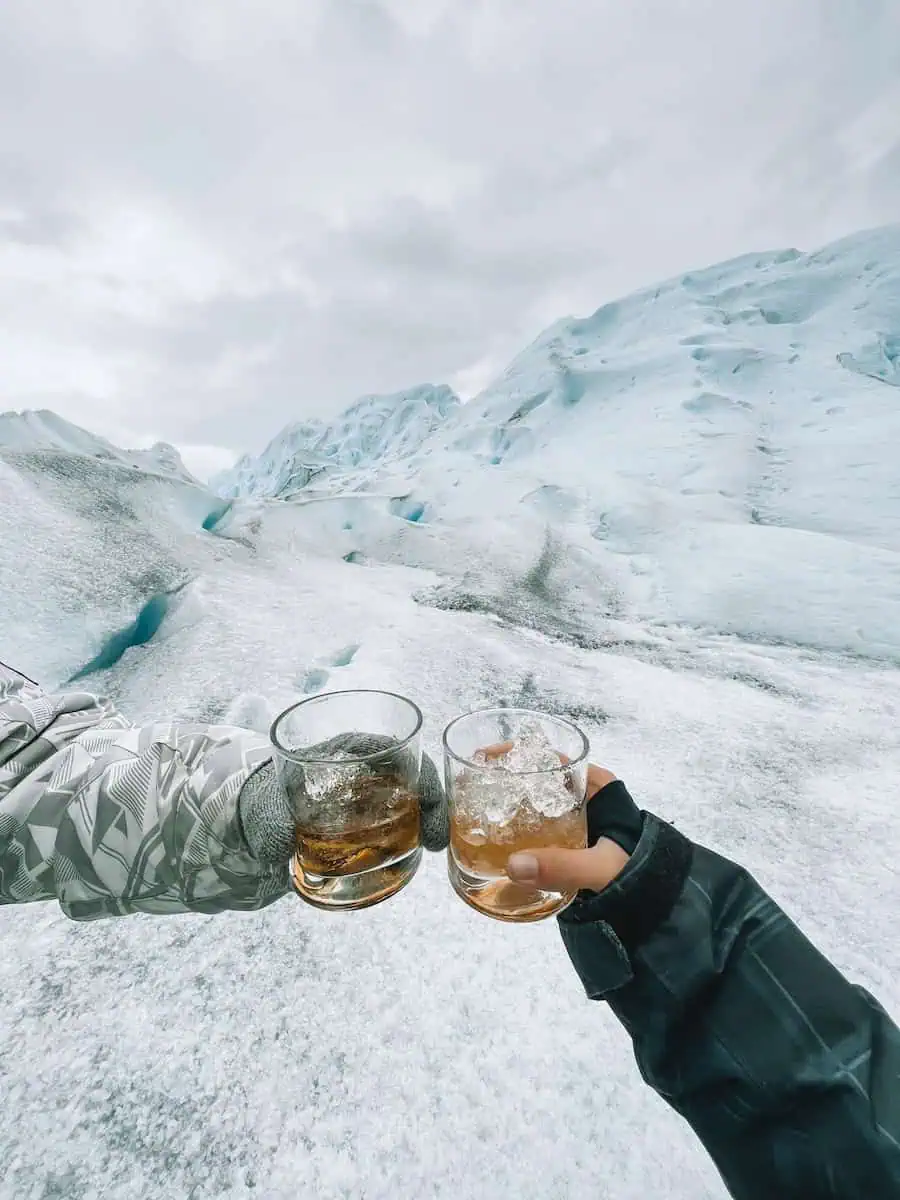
(556, 870)
(597, 779)
(498, 750)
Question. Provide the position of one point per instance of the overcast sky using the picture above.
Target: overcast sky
(217, 216)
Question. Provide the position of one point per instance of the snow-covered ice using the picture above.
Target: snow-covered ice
(676, 522)
(373, 429)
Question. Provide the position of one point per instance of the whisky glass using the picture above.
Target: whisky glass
(516, 780)
(350, 763)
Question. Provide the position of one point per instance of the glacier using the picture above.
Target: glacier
(715, 437)
(372, 429)
(43, 430)
(677, 521)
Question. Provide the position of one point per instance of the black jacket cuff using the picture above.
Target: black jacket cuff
(613, 814)
(635, 904)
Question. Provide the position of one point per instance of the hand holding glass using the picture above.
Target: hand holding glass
(350, 763)
(516, 781)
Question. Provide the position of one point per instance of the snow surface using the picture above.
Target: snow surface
(689, 544)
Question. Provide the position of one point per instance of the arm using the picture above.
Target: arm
(789, 1075)
(110, 819)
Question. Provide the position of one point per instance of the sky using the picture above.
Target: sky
(222, 216)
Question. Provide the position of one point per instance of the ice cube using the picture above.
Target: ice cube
(525, 784)
(474, 837)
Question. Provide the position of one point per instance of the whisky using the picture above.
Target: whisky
(486, 853)
(478, 858)
(374, 823)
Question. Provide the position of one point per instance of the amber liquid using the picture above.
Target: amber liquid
(480, 876)
(476, 853)
(377, 824)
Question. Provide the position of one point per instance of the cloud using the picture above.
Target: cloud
(205, 461)
(216, 218)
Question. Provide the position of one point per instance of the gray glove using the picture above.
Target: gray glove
(268, 816)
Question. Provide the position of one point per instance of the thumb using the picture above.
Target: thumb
(556, 870)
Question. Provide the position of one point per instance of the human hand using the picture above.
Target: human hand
(557, 870)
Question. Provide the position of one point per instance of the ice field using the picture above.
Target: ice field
(676, 521)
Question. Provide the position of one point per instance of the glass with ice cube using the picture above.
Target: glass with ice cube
(516, 781)
(349, 762)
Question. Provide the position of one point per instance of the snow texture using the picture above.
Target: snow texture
(676, 522)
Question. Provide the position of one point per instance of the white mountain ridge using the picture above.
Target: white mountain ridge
(42, 429)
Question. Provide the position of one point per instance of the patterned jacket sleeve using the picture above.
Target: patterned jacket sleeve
(111, 819)
(789, 1074)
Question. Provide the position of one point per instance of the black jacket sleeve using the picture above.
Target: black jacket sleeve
(788, 1074)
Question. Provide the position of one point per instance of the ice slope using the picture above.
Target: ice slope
(716, 437)
(89, 536)
(730, 387)
(44, 430)
(417, 1048)
(373, 429)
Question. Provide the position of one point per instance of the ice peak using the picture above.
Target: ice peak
(374, 429)
(32, 430)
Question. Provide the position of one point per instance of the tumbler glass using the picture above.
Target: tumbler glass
(516, 780)
(349, 762)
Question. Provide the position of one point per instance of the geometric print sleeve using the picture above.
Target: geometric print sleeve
(787, 1072)
(111, 819)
